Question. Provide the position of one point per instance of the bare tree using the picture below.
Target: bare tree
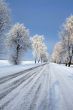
(18, 42)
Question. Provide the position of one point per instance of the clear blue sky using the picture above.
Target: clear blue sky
(41, 17)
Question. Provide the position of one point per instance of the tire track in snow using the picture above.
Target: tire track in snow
(29, 77)
(25, 94)
(15, 84)
(14, 75)
(40, 95)
(44, 90)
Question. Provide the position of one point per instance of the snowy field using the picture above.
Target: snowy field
(46, 87)
(6, 68)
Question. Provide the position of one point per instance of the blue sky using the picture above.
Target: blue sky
(41, 17)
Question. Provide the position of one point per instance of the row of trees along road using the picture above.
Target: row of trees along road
(63, 51)
(18, 39)
(39, 48)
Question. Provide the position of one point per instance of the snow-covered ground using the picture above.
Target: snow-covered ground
(6, 68)
(6, 63)
(46, 87)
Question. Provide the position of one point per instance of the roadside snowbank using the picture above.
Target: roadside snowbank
(6, 68)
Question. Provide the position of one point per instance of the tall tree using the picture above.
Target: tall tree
(18, 42)
(39, 48)
(4, 22)
(57, 53)
(67, 38)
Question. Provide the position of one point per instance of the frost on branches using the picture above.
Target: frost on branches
(67, 38)
(4, 16)
(57, 53)
(39, 48)
(4, 23)
(18, 42)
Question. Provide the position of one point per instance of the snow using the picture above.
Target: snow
(6, 68)
(46, 87)
(6, 63)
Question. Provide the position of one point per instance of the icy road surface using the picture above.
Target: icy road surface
(47, 87)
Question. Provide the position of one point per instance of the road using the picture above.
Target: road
(46, 87)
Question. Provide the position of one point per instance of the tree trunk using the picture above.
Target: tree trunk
(66, 64)
(17, 55)
(35, 60)
(38, 61)
(41, 60)
(70, 61)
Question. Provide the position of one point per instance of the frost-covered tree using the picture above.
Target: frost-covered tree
(39, 48)
(4, 22)
(67, 38)
(4, 16)
(57, 53)
(44, 56)
(18, 42)
(42, 53)
(36, 41)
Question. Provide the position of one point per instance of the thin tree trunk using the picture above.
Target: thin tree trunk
(35, 60)
(66, 64)
(41, 60)
(38, 61)
(70, 61)
(17, 55)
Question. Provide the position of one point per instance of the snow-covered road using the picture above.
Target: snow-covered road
(46, 87)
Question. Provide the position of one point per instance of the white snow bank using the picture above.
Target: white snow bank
(6, 63)
(6, 68)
